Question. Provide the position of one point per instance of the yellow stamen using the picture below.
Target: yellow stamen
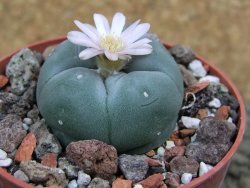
(111, 43)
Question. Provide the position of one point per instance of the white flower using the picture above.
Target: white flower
(113, 42)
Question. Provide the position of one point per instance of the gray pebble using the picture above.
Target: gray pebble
(70, 170)
(72, 184)
(99, 183)
(21, 69)
(21, 175)
(83, 178)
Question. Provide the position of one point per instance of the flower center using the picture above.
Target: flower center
(111, 43)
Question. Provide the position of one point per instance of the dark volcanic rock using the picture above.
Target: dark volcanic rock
(12, 132)
(181, 54)
(182, 164)
(214, 139)
(133, 167)
(94, 157)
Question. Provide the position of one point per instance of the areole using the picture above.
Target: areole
(212, 179)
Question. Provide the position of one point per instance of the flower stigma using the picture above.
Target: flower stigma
(111, 42)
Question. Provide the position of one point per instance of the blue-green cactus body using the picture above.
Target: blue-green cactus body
(134, 110)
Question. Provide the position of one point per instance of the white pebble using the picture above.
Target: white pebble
(160, 151)
(27, 121)
(230, 120)
(210, 78)
(204, 168)
(83, 178)
(72, 184)
(193, 138)
(138, 186)
(186, 178)
(191, 123)
(25, 126)
(197, 68)
(3, 154)
(215, 103)
(169, 144)
(5, 162)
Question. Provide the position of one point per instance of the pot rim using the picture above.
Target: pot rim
(241, 125)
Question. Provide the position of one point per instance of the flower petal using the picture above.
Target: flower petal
(111, 56)
(137, 51)
(137, 33)
(129, 29)
(89, 30)
(79, 38)
(102, 24)
(118, 23)
(138, 43)
(88, 53)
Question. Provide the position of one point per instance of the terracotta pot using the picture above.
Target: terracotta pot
(213, 179)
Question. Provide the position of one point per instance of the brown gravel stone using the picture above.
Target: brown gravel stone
(173, 152)
(94, 157)
(182, 164)
(186, 132)
(50, 160)
(153, 162)
(172, 179)
(202, 113)
(150, 153)
(222, 113)
(122, 183)
(3, 81)
(179, 142)
(187, 75)
(25, 150)
(164, 186)
(195, 88)
(39, 173)
(153, 181)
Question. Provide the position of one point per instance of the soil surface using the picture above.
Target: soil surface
(216, 29)
(239, 171)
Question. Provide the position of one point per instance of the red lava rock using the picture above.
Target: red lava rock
(179, 142)
(25, 150)
(174, 151)
(153, 162)
(182, 164)
(195, 88)
(202, 113)
(174, 136)
(186, 132)
(154, 181)
(94, 157)
(50, 160)
(150, 153)
(122, 183)
(172, 179)
(222, 113)
(3, 81)
(164, 186)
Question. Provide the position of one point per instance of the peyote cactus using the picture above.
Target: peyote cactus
(134, 110)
